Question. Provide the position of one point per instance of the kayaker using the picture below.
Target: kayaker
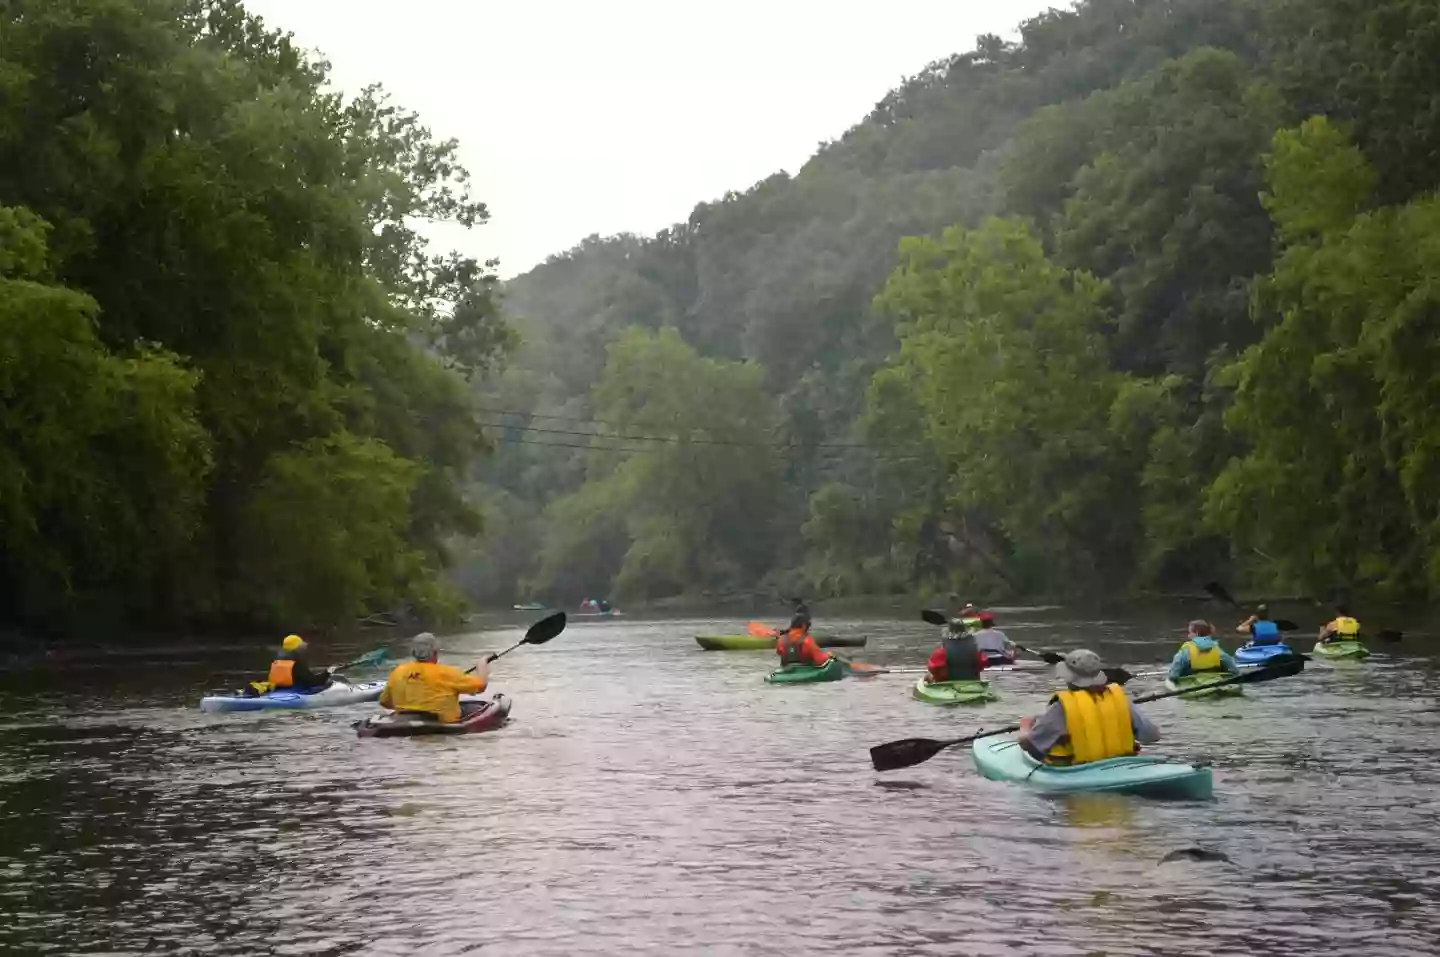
(958, 658)
(1090, 720)
(992, 642)
(291, 671)
(1342, 628)
(427, 687)
(1260, 628)
(796, 647)
(1201, 653)
(970, 615)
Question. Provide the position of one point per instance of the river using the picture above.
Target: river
(652, 798)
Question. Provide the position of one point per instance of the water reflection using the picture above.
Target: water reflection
(650, 796)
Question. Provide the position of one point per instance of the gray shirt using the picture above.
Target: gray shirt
(1049, 728)
(993, 641)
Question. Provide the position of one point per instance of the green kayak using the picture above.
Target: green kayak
(1341, 649)
(953, 692)
(1001, 759)
(757, 643)
(1206, 678)
(832, 670)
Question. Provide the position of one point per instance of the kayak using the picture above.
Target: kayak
(1206, 678)
(997, 660)
(1259, 654)
(1341, 649)
(494, 714)
(953, 692)
(530, 606)
(832, 670)
(337, 694)
(596, 614)
(1004, 760)
(757, 643)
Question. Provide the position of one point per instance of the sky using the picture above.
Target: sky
(580, 118)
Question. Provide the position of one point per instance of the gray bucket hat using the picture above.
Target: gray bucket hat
(1082, 668)
(424, 645)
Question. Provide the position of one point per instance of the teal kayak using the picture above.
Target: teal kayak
(1341, 649)
(1206, 678)
(1002, 759)
(953, 692)
(832, 670)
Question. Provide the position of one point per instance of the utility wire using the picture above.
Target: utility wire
(651, 449)
(680, 441)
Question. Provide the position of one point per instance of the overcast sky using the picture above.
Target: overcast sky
(620, 115)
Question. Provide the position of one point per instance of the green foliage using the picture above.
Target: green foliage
(239, 241)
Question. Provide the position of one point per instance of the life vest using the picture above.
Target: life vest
(1264, 632)
(1097, 725)
(792, 648)
(1347, 629)
(961, 656)
(282, 673)
(1204, 660)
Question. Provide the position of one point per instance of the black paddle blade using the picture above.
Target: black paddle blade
(907, 753)
(545, 629)
(1281, 666)
(1049, 657)
(1390, 635)
(934, 617)
(1285, 624)
(1218, 592)
(1117, 676)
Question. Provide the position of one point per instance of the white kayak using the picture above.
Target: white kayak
(337, 694)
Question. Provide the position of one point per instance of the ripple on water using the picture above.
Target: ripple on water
(650, 797)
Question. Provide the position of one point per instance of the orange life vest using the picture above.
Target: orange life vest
(792, 648)
(282, 673)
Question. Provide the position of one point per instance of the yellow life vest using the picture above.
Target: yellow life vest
(1097, 725)
(1204, 660)
(1346, 628)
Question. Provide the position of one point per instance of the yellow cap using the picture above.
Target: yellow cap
(292, 643)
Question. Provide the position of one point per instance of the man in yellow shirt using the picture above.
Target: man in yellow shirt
(428, 687)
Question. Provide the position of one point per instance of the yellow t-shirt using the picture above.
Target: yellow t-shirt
(425, 686)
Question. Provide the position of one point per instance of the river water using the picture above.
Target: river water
(651, 798)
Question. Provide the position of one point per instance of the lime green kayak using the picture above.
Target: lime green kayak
(1341, 649)
(758, 643)
(953, 692)
(1206, 678)
(832, 670)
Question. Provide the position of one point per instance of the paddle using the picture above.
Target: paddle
(1218, 592)
(538, 633)
(912, 751)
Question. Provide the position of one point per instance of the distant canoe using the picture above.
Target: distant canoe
(758, 643)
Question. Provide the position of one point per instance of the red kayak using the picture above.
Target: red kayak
(492, 714)
(995, 660)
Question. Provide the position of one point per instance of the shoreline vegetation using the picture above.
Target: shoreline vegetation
(1140, 300)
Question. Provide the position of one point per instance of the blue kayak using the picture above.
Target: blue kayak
(1259, 654)
(339, 693)
(1001, 759)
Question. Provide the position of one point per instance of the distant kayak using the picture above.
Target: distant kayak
(759, 643)
(337, 694)
(597, 614)
(1341, 649)
(953, 692)
(832, 670)
(1206, 678)
(1259, 654)
(494, 714)
(1001, 759)
(530, 606)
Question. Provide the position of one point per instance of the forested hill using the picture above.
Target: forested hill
(1165, 316)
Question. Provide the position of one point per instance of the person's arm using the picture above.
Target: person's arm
(1039, 735)
(1180, 664)
(814, 653)
(385, 700)
(1227, 661)
(1244, 627)
(1146, 731)
(459, 682)
(306, 677)
(1327, 629)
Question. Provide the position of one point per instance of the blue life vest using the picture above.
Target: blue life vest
(1264, 633)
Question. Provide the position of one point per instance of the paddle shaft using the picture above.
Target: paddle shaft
(1246, 678)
